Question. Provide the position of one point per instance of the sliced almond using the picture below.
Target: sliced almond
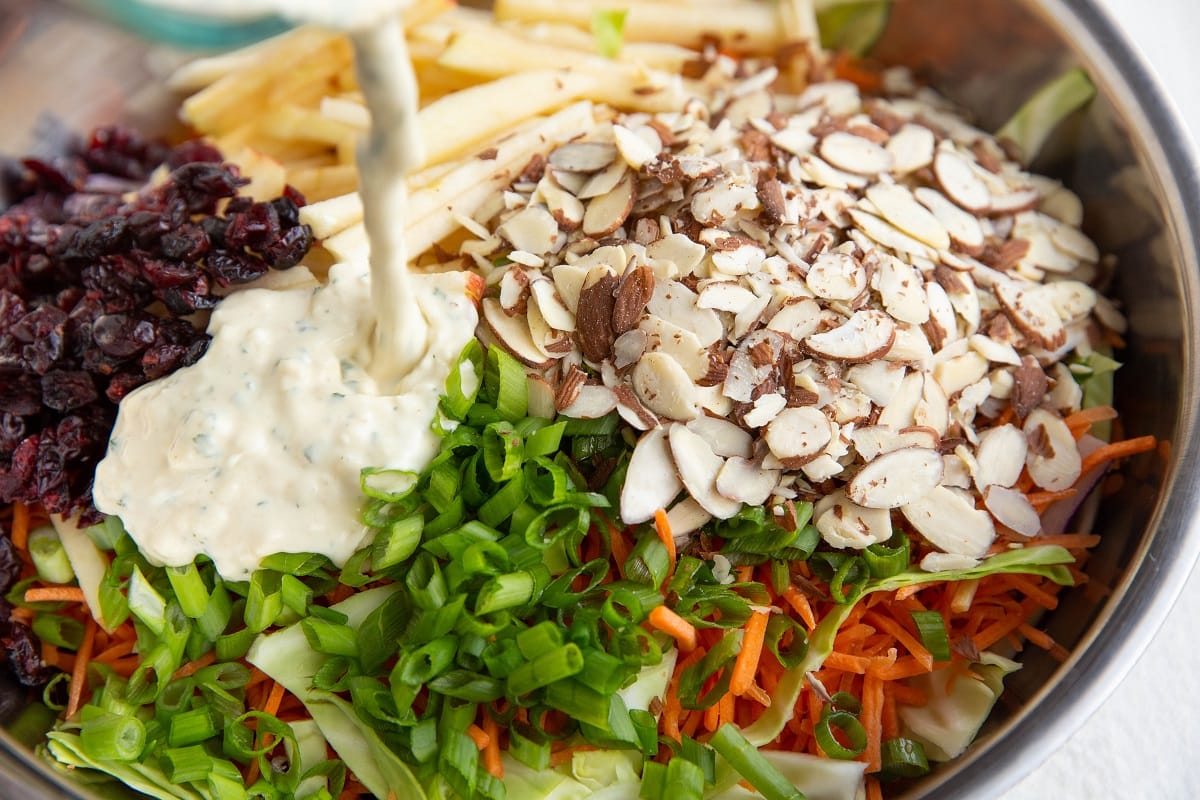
(951, 523)
(566, 208)
(514, 291)
(677, 304)
(745, 481)
(888, 235)
(678, 249)
(1073, 300)
(900, 411)
(569, 280)
(797, 319)
(603, 181)
(899, 207)
(593, 401)
(680, 344)
(911, 148)
(798, 435)
(994, 351)
(725, 296)
(1053, 459)
(636, 151)
(651, 482)
(633, 293)
(550, 342)
(512, 333)
(608, 212)
(897, 478)
(963, 227)
(844, 524)
(551, 306)
(665, 387)
(943, 562)
(959, 181)
(765, 409)
(933, 409)
(1031, 309)
(855, 154)
(740, 260)
(872, 441)
(878, 380)
(698, 467)
(629, 347)
(687, 516)
(541, 398)
(836, 276)
(1013, 510)
(632, 410)
(725, 438)
(956, 374)
(532, 229)
(902, 291)
(866, 336)
(583, 156)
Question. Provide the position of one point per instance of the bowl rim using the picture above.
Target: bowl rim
(1155, 578)
(1156, 575)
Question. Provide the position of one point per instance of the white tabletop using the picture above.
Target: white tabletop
(1145, 740)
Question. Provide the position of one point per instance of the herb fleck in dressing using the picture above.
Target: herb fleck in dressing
(257, 448)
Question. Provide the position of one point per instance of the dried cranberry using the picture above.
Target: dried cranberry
(290, 249)
(163, 273)
(10, 565)
(122, 336)
(288, 211)
(20, 395)
(193, 151)
(12, 431)
(201, 185)
(23, 653)
(295, 195)
(64, 390)
(122, 151)
(188, 298)
(233, 266)
(64, 174)
(188, 243)
(214, 229)
(254, 228)
(101, 238)
(124, 383)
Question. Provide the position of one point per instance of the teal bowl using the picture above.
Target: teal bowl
(184, 29)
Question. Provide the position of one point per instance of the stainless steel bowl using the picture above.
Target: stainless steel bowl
(1128, 158)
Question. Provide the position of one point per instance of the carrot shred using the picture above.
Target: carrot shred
(799, 603)
(192, 667)
(48, 594)
(1071, 541)
(477, 734)
(906, 667)
(872, 719)
(1027, 587)
(49, 654)
(874, 788)
(1083, 420)
(491, 753)
(274, 699)
(1043, 500)
(79, 673)
(905, 592)
(20, 526)
(746, 665)
(903, 636)
(1111, 452)
(851, 68)
(663, 526)
(670, 623)
(906, 695)
(620, 548)
(847, 663)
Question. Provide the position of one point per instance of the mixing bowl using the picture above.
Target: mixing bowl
(1128, 159)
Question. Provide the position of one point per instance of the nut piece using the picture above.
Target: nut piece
(897, 478)
(746, 481)
(1053, 459)
(651, 482)
(855, 154)
(583, 156)
(698, 467)
(866, 336)
(609, 211)
(798, 435)
(665, 387)
(1000, 457)
(843, 523)
(592, 402)
(836, 276)
(633, 293)
(1032, 310)
(725, 438)
(949, 520)
(513, 334)
(593, 318)
(1013, 510)
(902, 210)
(959, 181)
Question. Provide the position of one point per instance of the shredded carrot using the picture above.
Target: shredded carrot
(905, 592)
(192, 667)
(620, 548)
(796, 599)
(903, 636)
(1082, 421)
(1043, 500)
(906, 667)
(670, 623)
(274, 699)
(20, 526)
(663, 526)
(963, 595)
(1071, 541)
(48, 594)
(851, 68)
(874, 788)
(746, 666)
(82, 658)
(906, 695)
(745, 574)
(1026, 585)
(478, 736)
(1111, 452)
(491, 753)
(872, 719)
(847, 663)
(50, 654)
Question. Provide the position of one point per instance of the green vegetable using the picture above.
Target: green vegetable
(608, 30)
(850, 728)
(852, 26)
(1033, 123)
(752, 766)
(932, 629)
(49, 556)
(903, 758)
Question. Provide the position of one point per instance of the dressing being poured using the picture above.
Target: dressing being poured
(257, 448)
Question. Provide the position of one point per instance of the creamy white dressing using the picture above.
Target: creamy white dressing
(257, 449)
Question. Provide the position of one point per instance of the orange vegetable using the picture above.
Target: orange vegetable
(663, 526)
(49, 594)
(746, 666)
(478, 736)
(670, 623)
(1111, 452)
(79, 674)
(20, 526)
(491, 753)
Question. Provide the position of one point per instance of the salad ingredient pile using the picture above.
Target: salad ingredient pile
(752, 481)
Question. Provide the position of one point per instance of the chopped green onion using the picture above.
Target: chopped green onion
(850, 728)
(296, 594)
(503, 451)
(58, 630)
(545, 441)
(692, 679)
(391, 485)
(186, 764)
(379, 633)
(425, 663)
(189, 589)
(903, 758)
(649, 561)
(579, 702)
(791, 654)
(193, 727)
(458, 763)
(484, 558)
(549, 667)
(529, 746)
(844, 701)
(264, 600)
(852, 26)
(234, 645)
(329, 638)
(932, 628)
(463, 382)
(752, 766)
(108, 737)
(603, 672)
(685, 780)
(106, 534)
(504, 502)
(512, 386)
(394, 544)
(885, 559)
(654, 781)
(298, 564)
(466, 685)
(146, 603)
(608, 30)
(561, 594)
(426, 583)
(49, 556)
(505, 591)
